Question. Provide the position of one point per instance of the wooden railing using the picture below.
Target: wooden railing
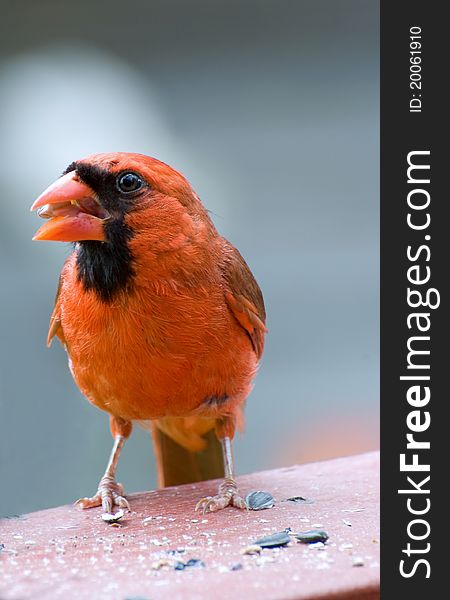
(162, 549)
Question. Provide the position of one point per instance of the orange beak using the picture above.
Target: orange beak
(73, 211)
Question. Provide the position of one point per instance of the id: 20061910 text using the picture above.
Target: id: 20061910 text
(415, 69)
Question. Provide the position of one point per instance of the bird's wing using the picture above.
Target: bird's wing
(55, 319)
(244, 298)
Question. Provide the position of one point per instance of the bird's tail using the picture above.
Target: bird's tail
(187, 450)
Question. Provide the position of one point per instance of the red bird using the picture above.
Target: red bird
(162, 320)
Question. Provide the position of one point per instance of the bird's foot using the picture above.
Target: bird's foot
(109, 494)
(228, 496)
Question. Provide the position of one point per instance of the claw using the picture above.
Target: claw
(89, 502)
(109, 494)
(213, 503)
(203, 503)
(239, 502)
(228, 496)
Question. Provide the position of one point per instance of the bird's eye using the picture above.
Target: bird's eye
(129, 182)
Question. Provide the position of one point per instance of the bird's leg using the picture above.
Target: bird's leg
(228, 493)
(110, 493)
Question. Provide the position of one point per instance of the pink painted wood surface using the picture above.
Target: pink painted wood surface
(66, 553)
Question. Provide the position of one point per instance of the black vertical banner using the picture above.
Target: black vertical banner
(414, 306)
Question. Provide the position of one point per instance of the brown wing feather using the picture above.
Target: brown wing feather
(244, 298)
(55, 320)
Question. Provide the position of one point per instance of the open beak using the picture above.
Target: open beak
(73, 211)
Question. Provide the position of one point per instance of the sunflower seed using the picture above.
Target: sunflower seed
(192, 562)
(300, 500)
(312, 536)
(259, 500)
(275, 540)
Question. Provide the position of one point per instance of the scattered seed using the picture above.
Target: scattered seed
(113, 518)
(300, 500)
(156, 542)
(162, 562)
(252, 549)
(346, 522)
(175, 552)
(236, 567)
(192, 562)
(274, 541)
(195, 562)
(259, 500)
(312, 536)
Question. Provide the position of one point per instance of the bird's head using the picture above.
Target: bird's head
(128, 214)
(98, 194)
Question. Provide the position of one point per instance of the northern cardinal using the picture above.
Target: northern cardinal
(162, 319)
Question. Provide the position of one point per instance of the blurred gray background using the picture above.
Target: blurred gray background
(271, 109)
